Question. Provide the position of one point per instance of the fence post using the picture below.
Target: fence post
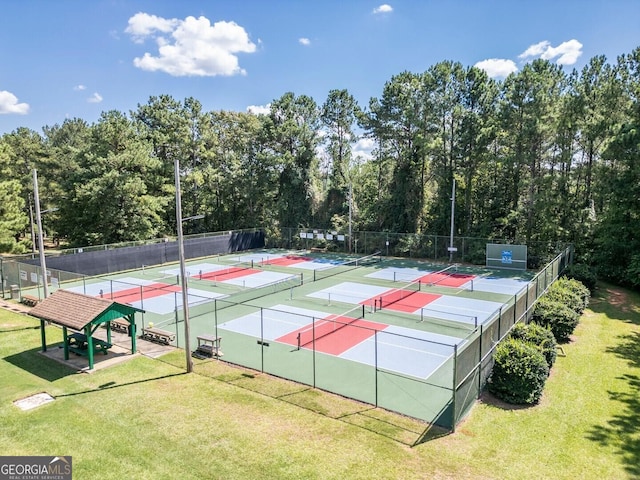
(455, 385)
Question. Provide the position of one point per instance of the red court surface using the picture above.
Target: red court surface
(226, 274)
(287, 261)
(405, 300)
(334, 335)
(134, 294)
(455, 280)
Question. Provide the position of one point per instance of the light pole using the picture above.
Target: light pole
(43, 263)
(453, 210)
(183, 268)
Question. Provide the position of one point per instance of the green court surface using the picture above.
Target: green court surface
(405, 335)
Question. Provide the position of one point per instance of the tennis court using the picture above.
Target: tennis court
(396, 336)
(402, 350)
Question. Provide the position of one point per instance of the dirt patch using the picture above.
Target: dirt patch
(619, 299)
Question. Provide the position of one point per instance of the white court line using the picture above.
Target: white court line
(395, 345)
(398, 274)
(257, 279)
(349, 292)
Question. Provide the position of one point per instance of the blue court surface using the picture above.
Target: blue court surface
(401, 350)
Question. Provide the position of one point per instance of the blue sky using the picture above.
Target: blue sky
(70, 58)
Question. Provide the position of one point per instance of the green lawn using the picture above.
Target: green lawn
(147, 419)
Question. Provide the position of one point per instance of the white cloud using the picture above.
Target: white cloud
(79, 88)
(191, 47)
(95, 98)
(567, 53)
(259, 109)
(384, 8)
(143, 25)
(9, 104)
(304, 41)
(497, 67)
(363, 148)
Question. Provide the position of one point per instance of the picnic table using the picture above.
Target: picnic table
(120, 325)
(79, 344)
(158, 335)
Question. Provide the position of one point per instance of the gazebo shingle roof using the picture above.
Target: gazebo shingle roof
(70, 309)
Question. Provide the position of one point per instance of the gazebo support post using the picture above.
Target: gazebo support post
(43, 336)
(132, 331)
(87, 332)
(66, 342)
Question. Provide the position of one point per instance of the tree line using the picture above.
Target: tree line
(543, 155)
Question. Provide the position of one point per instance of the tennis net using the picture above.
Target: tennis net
(449, 319)
(339, 268)
(397, 294)
(159, 275)
(328, 326)
(224, 273)
(449, 277)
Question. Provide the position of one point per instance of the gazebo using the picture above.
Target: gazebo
(83, 314)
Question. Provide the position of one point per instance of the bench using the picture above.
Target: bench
(318, 250)
(157, 335)
(208, 347)
(29, 300)
(120, 325)
(78, 344)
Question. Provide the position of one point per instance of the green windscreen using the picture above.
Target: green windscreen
(507, 256)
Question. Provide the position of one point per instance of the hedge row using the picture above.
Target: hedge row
(523, 361)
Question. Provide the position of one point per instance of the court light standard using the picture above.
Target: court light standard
(183, 268)
(43, 262)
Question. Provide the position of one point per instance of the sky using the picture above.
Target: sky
(63, 59)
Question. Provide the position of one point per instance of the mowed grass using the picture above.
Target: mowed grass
(145, 418)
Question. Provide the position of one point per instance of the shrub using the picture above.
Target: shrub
(519, 373)
(561, 292)
(541, 337)
(584, 274)
(576, 287)
(559, 318)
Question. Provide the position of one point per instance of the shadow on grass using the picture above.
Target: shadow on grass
(404, 430)
(18, 329)
(622, 429)
(112, 385)
(32, 362)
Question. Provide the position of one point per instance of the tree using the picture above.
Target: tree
(529, 115)
(108, 197)
(13, 218)
(339, 116)
(293, 134)
(398, 124)
(617, 243)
